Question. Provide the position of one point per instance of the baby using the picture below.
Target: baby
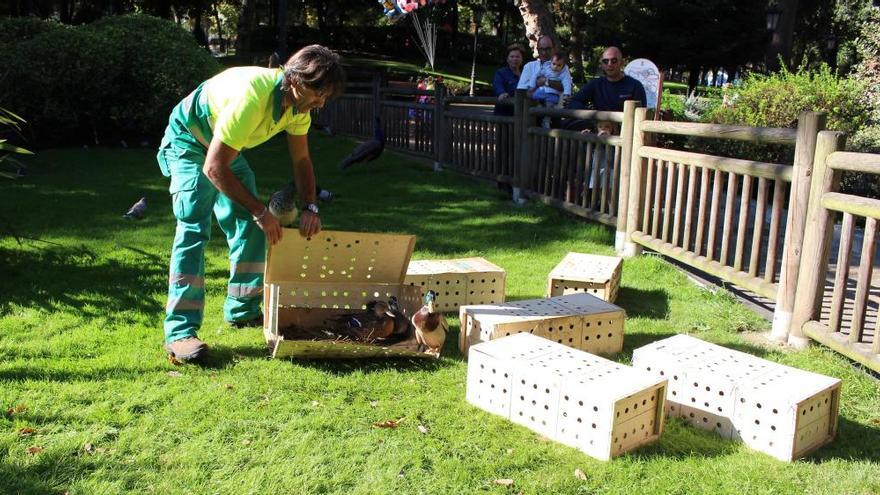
(542, 91)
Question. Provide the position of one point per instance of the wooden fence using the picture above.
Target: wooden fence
(849, 322)
(740, 220)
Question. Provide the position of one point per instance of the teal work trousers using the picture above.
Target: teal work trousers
(194, 199)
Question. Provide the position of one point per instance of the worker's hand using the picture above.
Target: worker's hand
(503, 96)
(309, 224)
(270, 225)
(586, 131)
(540, 81)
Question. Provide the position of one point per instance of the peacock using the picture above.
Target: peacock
(368, 150)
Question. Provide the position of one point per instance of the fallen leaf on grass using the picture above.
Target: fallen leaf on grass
(229, 386)
(315, 403)
(16, 410)
(175, 374)
(423, 429)
(389, 423)
(245, 442)
(26, 431)
(580, 474)
(509, 451)
(374, 403)
(33, 450)
(89, 448)
(504, 482)
(876, 421)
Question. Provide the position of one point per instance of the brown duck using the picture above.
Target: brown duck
(430, 326)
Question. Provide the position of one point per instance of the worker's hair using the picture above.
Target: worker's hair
(317, 68)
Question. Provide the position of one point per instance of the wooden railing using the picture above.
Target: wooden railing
(843, 323)
(741, 220)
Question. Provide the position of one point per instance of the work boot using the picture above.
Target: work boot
(257, 321)
(188, 349)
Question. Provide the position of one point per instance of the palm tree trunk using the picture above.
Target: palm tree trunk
(538, 21)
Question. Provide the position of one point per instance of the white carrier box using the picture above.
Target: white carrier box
(782, 411)
(598, 406)
(581, 321)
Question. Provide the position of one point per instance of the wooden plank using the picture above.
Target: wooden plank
(713, 214)
(856, 205)
(604, 177)
(728, 217)
(773, 235)
(855, 162)
(658, 198)
(616, 181)
(576, 114)
(741, 279)
(861, 353)
(734, 132)
(595, 167)
(744, 202)
(667, 199)
(649, 186)
(577, 136)
(701, 211)
(580, 165)
(679, 197)
(576, 210)
(565, 180)
(838, 294)
(863, 281)
(731, 165)
(758, 229)
(817, 221)
(689, 209)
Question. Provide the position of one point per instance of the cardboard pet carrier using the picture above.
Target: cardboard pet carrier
(776, 409)
(578, 320)
(458, 282)
(312, 284)
(590, 273)
(598, 406)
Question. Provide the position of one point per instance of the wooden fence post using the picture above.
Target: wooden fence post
(811, 273)
(440, 132)
(626, 135)
(377, 104)
(634, 193)
(519, 98)
(809, 125)
(525, 160)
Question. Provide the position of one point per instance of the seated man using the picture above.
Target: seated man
(606, 93)
(542, 88)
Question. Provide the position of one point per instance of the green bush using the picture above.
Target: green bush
(160, 63)
(18, 29)
(114, 79)
(777, 100)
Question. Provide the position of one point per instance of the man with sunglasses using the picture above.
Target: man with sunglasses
(609, 92)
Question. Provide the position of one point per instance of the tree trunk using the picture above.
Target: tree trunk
(246, 23)
(693, 79)
(538, 22)
(219, 26)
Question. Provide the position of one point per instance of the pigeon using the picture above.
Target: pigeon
(137, 210)
(282, 204)
(368, 150)
(430, 326)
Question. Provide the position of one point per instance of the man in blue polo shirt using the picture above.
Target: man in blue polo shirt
(609, 92)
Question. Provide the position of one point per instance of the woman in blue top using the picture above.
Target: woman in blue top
(506, 78)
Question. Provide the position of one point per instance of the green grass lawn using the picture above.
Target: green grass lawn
(89, 403)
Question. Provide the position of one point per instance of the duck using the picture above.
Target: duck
(373, 324)
(431, 326)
